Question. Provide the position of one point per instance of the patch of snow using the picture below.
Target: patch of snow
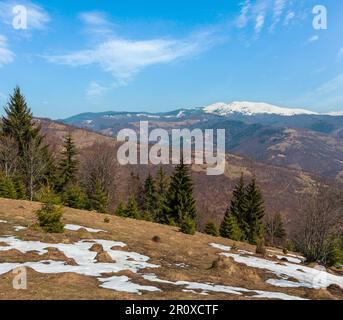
(19, 228)
(80, 252)
(3, 221)
(245, 252)
(181, 265)
(74, 227)
(123, 284)
(307, 277)
(205, 288)
(87, 122)
(220, 246)
(335, 113)
(289, 259)
(180, 115)
(148, 116)
(252, 108)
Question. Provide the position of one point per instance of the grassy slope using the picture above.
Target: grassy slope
(174, 247)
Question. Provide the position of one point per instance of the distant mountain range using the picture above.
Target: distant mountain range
(294, 138)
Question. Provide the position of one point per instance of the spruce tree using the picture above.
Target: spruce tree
(255, 212)
(181, 203)
(98, 199)
(121, 210)
(211, 229)
(132, 210)
(136, 190)
(149, 195)
(51, 212)
(35, 163)
(161, 196)
(18, 122)
(68, 166)
(74, 197)
(7, 188)
(238, 206)
(188, 225)
(230, 228)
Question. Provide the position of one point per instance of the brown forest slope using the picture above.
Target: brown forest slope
(282, 187)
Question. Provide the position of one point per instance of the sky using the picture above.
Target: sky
(75, 56)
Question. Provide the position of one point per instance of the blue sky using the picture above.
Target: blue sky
(77, 56)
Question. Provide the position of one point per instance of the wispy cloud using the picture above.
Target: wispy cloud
(265, 14)
(327, 95)
(259, 23)
(94, 18)
(314, 38)
(37, 17)
(6, 55)
(124, 58)
(279, 6)
(243, 18)
(289, 17)
(340, 53)
(95, 90)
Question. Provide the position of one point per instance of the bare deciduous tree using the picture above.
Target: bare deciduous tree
(34, 166)
(8, 156)
(98, 164)
(319, 223)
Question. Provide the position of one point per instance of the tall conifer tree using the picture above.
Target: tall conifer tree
(255, 212)
(238, 206)
(68, 166)
(181, 203)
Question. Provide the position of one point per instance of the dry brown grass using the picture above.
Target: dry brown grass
(173, 248)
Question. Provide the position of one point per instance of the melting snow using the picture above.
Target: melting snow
(19, 228)
(208, 287)
(307, 277)
(123, 284)
(3, 221)
(85, 259)
(220, 246)
(74, 227)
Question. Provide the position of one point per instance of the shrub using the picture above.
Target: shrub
(50, 215)
(188, 225)
(107, 220)
(74, 197)
(7, 188)
(260, 247)
(156, 239)
(211, 229)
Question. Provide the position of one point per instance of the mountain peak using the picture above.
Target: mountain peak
(253, 108)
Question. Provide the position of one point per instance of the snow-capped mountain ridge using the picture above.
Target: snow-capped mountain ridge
(253, 108)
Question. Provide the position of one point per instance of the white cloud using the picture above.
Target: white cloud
(37, 17)
(6, 55)
(340, 53)
(279, 6)
(94, 18)
(313, 39)
(243, 18)
(334, 85)
(327, 96)
(259, 23)
(289, 17)
(95, 90)
(124, 58)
